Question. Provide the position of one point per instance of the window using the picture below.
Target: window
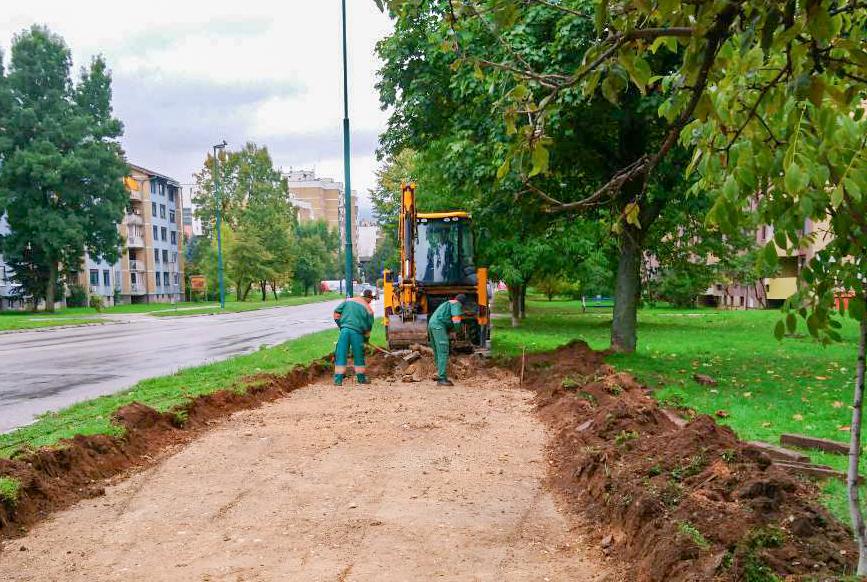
(166, 278)
(165, 256)
(156, 255)
(174, 258)
(153, 209)
(176, 278)
(133, 278)
(163, 233)
(174, 237)
(172, 216)
(94, 277)
(106, 278)
(162, 189)
(153, 186)
(155, 232)
(162, 210)
(171, 195)
(159, 281)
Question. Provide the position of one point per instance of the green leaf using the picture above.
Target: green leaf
(857, 308)
(791, 322)
(853, 189)
(837, 196)
(795, 179)
(631, 212)
(540, 157)
(601, 18)
(520, 92)
(769, 254)
(504, 169)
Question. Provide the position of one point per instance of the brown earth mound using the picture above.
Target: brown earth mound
(691, 503)
(54, 478)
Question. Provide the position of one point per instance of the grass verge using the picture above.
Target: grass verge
(185, 309)
(10, 488)
(765, 387)
(167, 392)
(16, 321)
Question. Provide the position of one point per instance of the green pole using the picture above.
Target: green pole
(219, 225)
(347, 204)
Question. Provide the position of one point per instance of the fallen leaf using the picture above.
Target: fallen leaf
(837, 404)
(747, 394)
(766, 425)
(722, 414)
(821, 377)
(798, 417)
(844, 428)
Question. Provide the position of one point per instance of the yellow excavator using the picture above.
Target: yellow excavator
(436, 263)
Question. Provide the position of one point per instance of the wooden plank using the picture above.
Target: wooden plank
(779, 453)
(820, 471)
(808, 442)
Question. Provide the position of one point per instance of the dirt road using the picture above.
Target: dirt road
(389, 482)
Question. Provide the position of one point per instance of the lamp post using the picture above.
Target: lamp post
(347, 204)
(219, 146)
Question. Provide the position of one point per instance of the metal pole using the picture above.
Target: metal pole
(219, 227)
(347, 205)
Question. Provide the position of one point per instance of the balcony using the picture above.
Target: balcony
(782, 287)
(135, 195)
(135, 242)
(134, 218)
(137, 289)
(136, 265)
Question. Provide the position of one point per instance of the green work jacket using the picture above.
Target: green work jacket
(355, 314)
(447, 316)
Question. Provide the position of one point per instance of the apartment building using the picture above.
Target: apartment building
(322, 198)
(771, 291)
(151, 266)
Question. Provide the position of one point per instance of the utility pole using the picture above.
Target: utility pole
(347, 204)
(220, 147)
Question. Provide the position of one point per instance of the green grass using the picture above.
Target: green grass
(10, 488)
(766, 387)
(14, 320)
(10, 321)
(167, 392)
(239, 306)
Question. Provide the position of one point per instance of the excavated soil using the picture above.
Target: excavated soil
(392, 481)
(690, 503)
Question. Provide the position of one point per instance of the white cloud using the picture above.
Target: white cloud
(189, 73)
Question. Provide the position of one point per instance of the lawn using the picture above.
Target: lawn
(167, 392)
(13, 320)
(765, 387)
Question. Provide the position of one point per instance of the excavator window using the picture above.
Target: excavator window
(444, 252)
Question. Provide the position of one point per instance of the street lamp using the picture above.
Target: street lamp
(347, 204)
(219, 146)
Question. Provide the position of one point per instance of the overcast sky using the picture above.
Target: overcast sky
(188, 73)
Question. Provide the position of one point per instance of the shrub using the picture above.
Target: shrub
(97, 302)
(77, 296)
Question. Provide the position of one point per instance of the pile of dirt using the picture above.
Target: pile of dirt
(680, 503)
(78, 468)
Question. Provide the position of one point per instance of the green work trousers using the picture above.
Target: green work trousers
(439, 342)
(349, 338)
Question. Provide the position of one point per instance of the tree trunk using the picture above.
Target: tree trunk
(264, 286)
(52, 286)
(627, 289)
(523, 302)
(238, 291)
(274, 289)
(514, 304)
(855, 455)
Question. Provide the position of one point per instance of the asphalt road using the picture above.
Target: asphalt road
(46, 370)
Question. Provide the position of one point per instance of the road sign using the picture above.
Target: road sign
(197, 282)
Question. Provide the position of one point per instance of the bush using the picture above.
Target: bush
(96, 302)
(681, 288)
(77, 296)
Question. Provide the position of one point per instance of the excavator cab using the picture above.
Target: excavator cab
(437, 262)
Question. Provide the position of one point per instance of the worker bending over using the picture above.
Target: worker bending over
(446, 318)
(354, 317)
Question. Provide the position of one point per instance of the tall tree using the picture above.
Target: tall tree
(61, 178)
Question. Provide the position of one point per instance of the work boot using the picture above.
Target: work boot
(338, 379)
(362, 379)
(444, 382)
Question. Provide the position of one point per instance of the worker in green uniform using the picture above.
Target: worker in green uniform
(445, 318)
(354, 317)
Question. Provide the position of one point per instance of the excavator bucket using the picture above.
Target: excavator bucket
(402, 334)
